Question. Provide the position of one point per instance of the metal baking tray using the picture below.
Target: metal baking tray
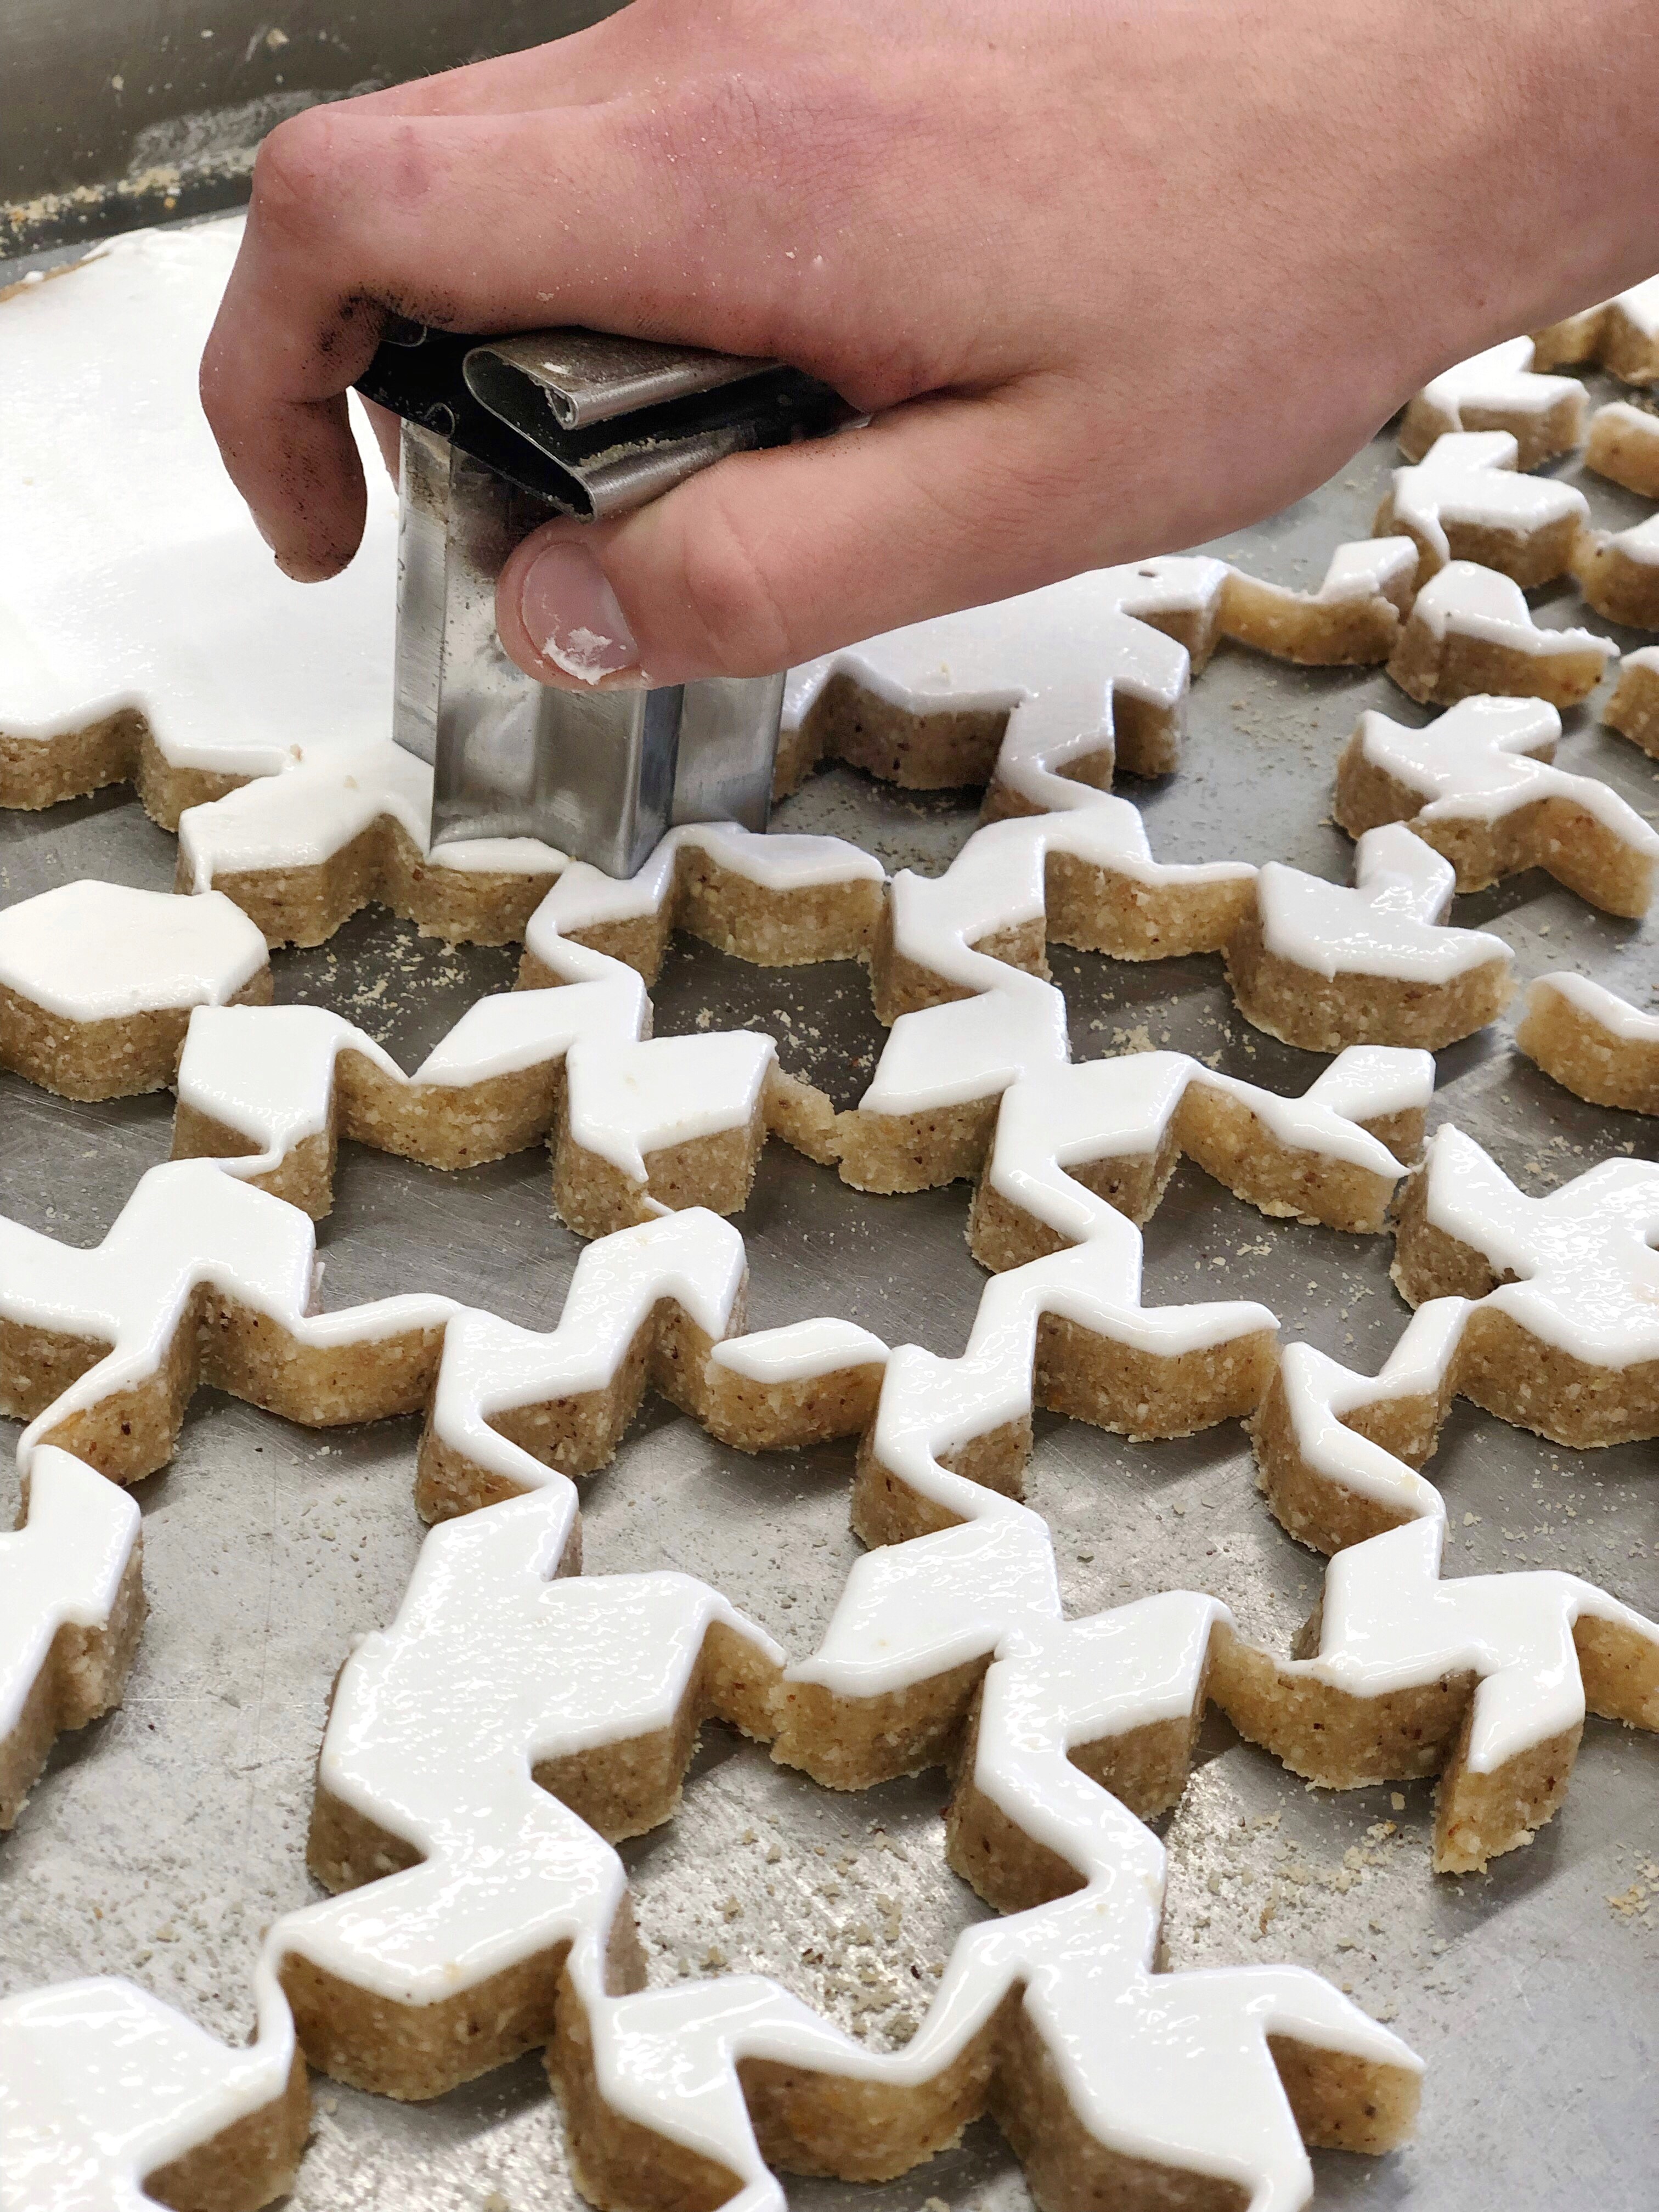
(162, 1841)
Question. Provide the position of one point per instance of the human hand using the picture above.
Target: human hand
(1112, 278)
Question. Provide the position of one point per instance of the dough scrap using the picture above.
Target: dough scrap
(1471, 630)
(1323, 966)
(1623, 445)
(1500, 389)
(1620, 334)
(1480, 786)
(1464, 501)
(1541, 1310)
(1070, 1712)
(1071, 682)
(1618, 573)
(1484, 1681)
(1633, 709)
(98, 982)
(1592, 1042)
(71, 1611)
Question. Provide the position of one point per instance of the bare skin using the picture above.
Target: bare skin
(1114, 276)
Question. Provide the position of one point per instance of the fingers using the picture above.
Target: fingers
(483, 223)
(769, 558)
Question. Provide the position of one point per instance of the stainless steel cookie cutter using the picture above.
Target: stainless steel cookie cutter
(498, 435)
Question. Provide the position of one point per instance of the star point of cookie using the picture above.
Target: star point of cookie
(1633, 709)
(1471, 630)
(98, 982)
(1480, 786)
(1541, 1310)
(71, 1610)
(636, 1123)
(1592, 1042)
(501, 1909)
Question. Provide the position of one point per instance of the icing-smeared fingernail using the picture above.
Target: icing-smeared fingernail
(570, 614)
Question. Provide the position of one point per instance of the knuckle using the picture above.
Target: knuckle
(293, 173)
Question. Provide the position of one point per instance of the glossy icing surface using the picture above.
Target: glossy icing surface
(1470, 476)
(96, 952)
(1014, 1024)
(1585, 1255)
(491, 1667)
(186, 1225)
(1389, 1622)
(1606, 1008)
(295, 688)
(63, 1567)
(1502, 378)
(489, 1365)
(100, 2084)
(1388, 924)
(1050, 660)
(1112, 1109)
(1476, 602)
(1485, 756)
(475, 1680)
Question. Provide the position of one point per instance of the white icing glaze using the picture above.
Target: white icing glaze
(1477, 602)
(1589, 1271)
(1015, 1024)
(100, 2084)
(1112, 1109)
(585, 898)
(95, 952)
(1320, 1394)
(1369, 569)
(800, 1352)
(1485, 756)
(269, 1072)
(186, 1225)
(1387, 925)
(626, 1100)
(320, 802)
(1502, 378)
(1172, 2069)
(490, 1668)
(1639, 544)
(1640, 305)
(62, 1568)
(1632, 431)
(1470, 476)
(133, 520)
(1604, 1007)
(234, 669)
(438, 1721)
(490, 1366)
(1390, 1623)
(1050, 660)
(930, 1408)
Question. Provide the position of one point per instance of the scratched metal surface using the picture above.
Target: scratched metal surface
(162, 1841)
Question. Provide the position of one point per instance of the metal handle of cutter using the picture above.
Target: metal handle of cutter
(595, 425)
(498, 435)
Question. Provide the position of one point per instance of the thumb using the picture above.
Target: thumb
(766, 559)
